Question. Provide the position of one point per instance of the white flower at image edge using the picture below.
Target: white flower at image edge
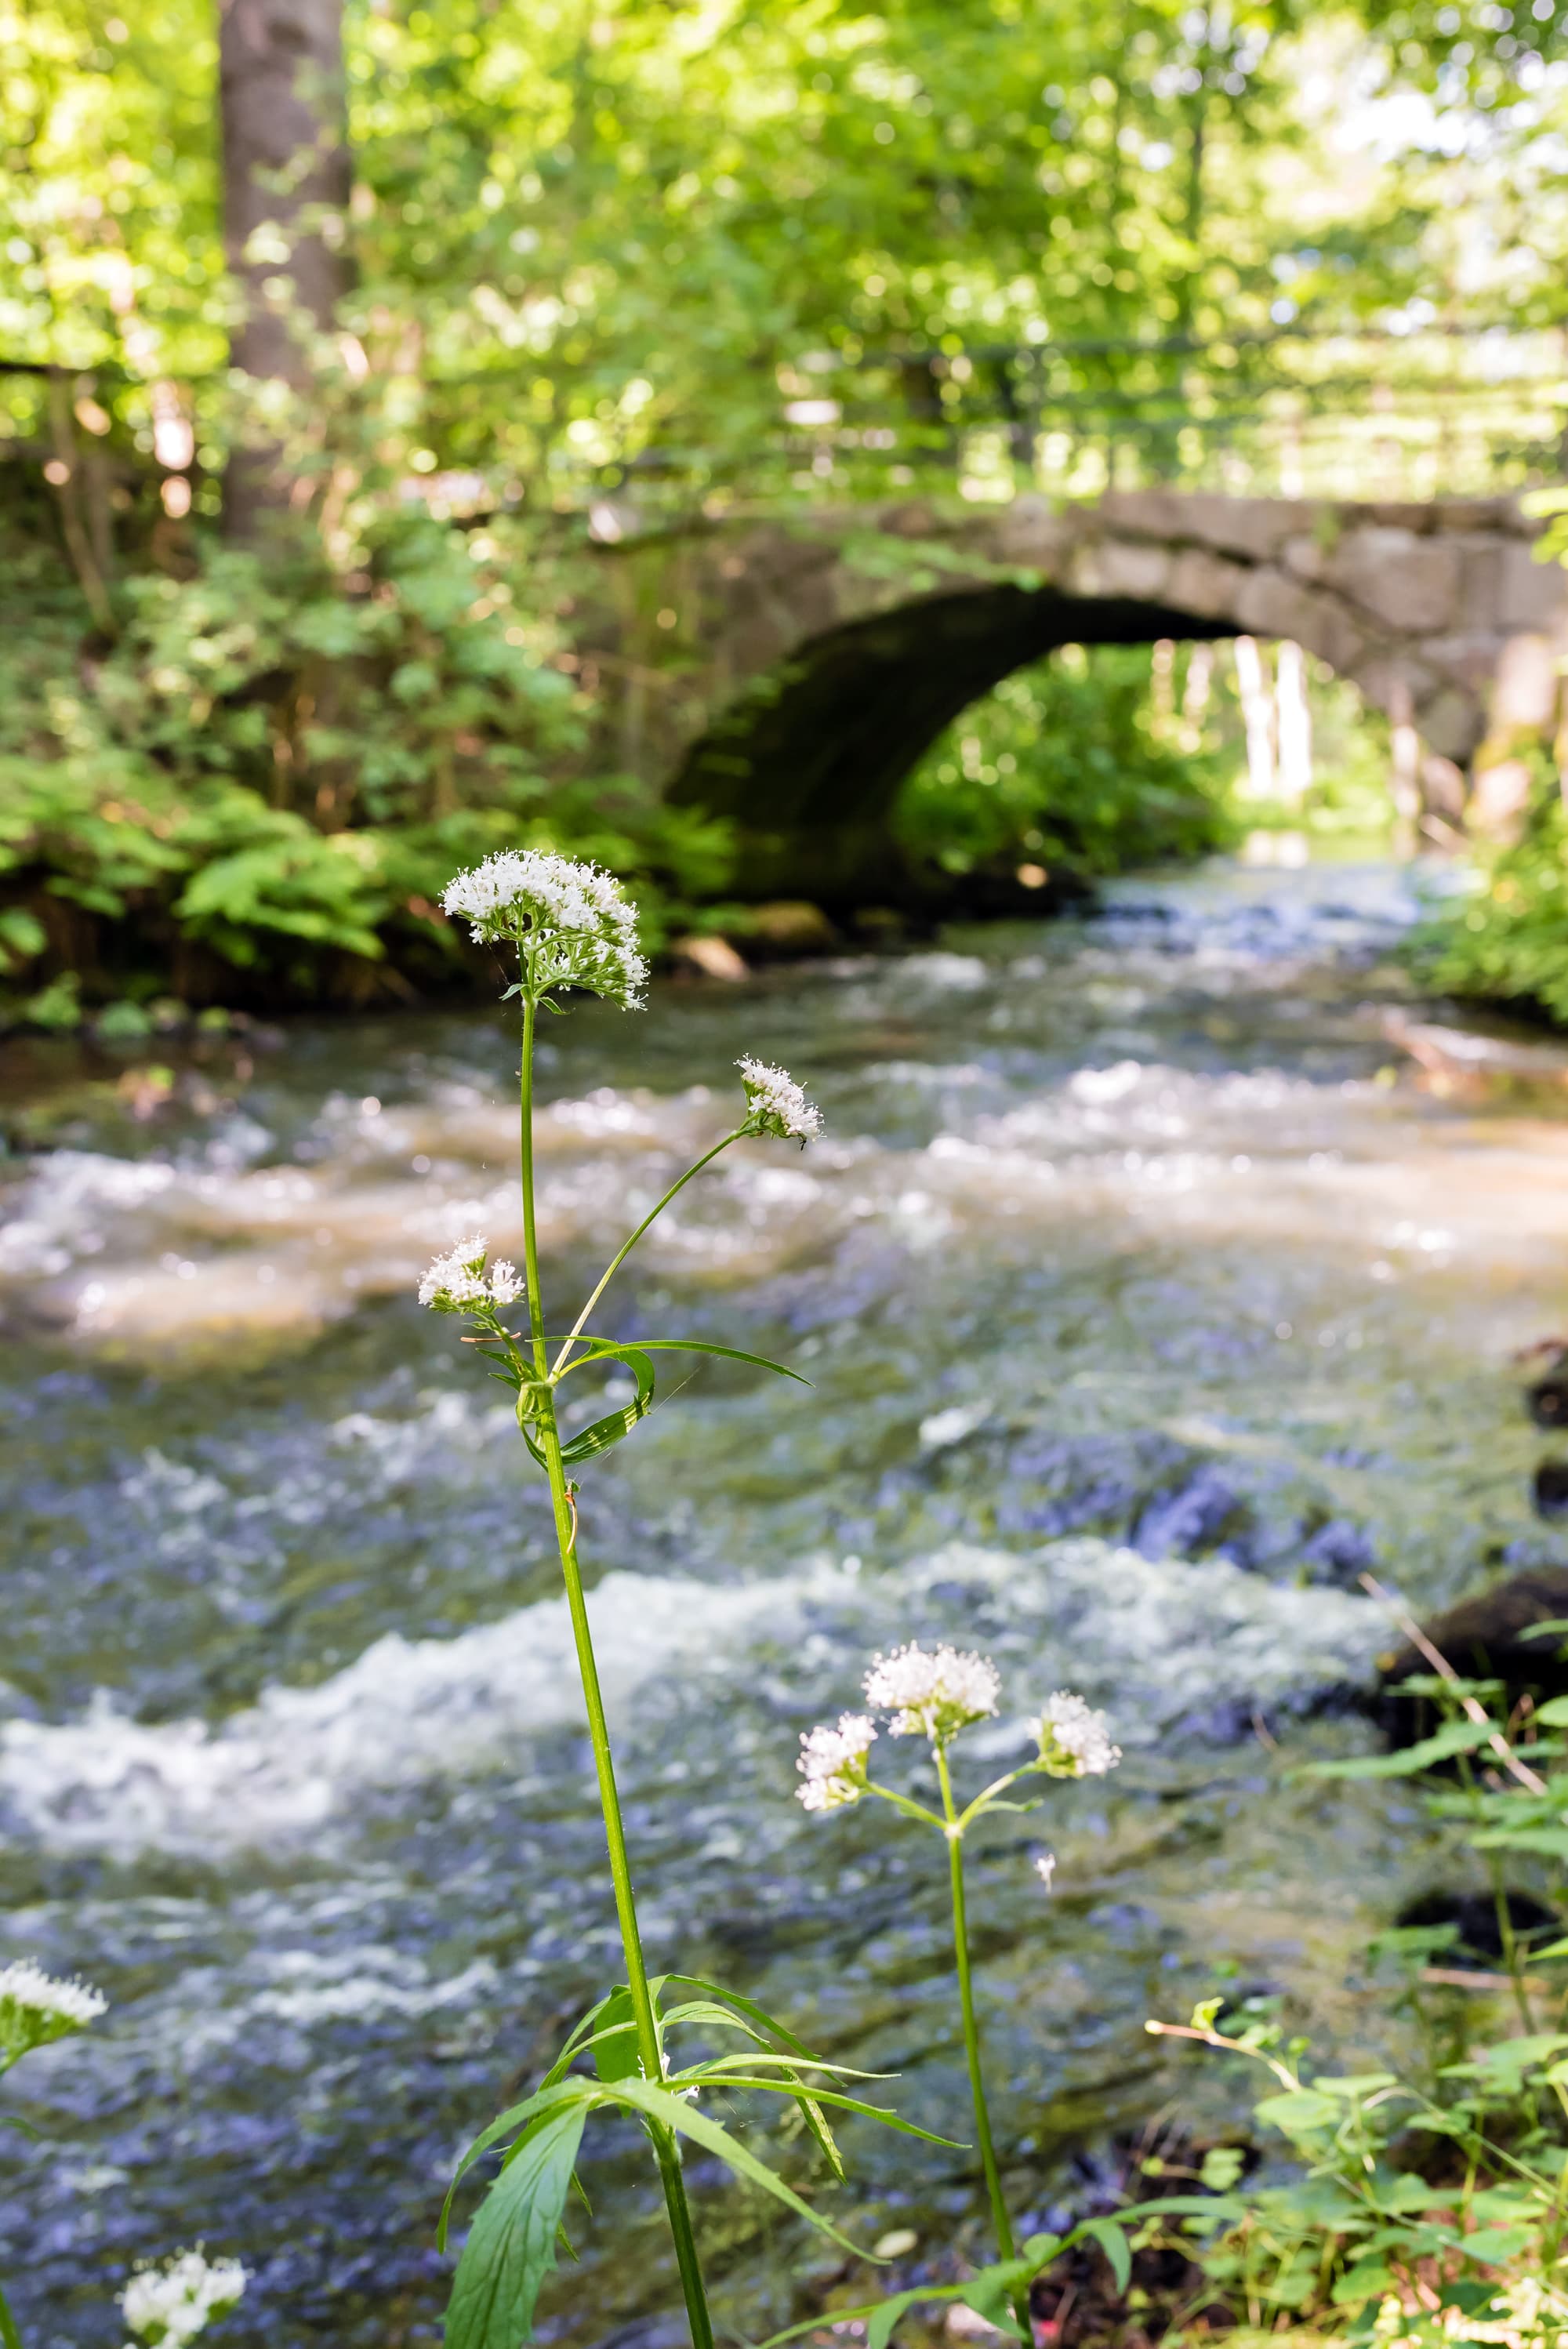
(1074, 1740)
(775, 1103)
(457, 1282)
(572, 924)
(932, 1691)
(176, 2302)
(833, 1763)
(34, 2008)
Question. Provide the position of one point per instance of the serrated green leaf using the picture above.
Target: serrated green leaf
(543, 2100)
(512, 2244)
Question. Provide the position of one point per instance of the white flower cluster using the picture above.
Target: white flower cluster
(572, 924)
(457, 1282)
(175, 2303)
(1074, 1740)
(34, 2008)
(775, 1103)
(932, 1691)
(833, 1763)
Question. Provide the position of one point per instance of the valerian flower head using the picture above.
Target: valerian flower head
(176, 2302)
(34, 2008)
(833, 1763)
(932, 1691)
(457, 1282)
(572, 924)
(1074, 1741)
(775, 1103)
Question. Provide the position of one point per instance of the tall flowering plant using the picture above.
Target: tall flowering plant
(936, 1694)
(571, 928)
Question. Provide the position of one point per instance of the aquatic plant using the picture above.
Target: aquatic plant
(936, 1694)
(572, 929)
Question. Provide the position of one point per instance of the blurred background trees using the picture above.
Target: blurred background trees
(335, 350)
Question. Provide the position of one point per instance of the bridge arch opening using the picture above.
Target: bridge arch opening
(810, 762)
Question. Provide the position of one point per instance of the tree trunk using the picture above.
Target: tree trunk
(286, 171)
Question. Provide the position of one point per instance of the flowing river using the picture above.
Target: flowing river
(1150, 1297)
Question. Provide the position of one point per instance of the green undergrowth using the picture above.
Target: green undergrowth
(1068, 763)
(1504, 938)
(258, 790)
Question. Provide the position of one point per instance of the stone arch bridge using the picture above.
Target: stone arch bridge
(815, 658)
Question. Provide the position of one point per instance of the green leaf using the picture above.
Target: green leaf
(510, 2246)
(545, 2099)
(885, 2315)
(790, 2087)
(1554, 1713)
(615, 1424)
(674, 2113)
(1495, 2245)
(1453, 1737)
(730, 1353)
(1111, 2235)
(615, 2043)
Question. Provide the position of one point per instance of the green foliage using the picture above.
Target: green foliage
(1066, 762)
(1424, 2197)
(1506, 936)
(283, 767)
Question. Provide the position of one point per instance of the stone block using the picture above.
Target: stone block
(1532, 594)
(1409, 583)
(1272, 604)
(1123, 567)
(1468, 659)
(1498, 514)
(1206, 584)
(1030, 531)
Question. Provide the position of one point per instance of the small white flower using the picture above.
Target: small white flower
(175, 2303)
(775, 1103)
(1074, 1740)
(505, 1282)
(834, 1761)
(1046, 1867)
(34, 2008)
(572, 924)
(456, 1282)
(932, 1691)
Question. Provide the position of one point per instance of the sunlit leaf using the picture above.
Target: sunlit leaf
(512, 2244)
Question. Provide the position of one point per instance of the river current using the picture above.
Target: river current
(1149, 1295)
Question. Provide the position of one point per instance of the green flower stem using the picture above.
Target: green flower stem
(9, 2335)
(999, 2218)
(619, 1258)
(548, 1440)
